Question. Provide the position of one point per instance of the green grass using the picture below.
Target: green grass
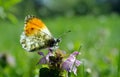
(99, 37)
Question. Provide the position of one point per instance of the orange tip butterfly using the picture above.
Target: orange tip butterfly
(36, 35)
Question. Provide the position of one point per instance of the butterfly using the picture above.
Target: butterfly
(36, 35)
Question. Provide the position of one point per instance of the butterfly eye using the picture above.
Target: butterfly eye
(58, 40)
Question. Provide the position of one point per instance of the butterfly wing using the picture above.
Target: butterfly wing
(34, 25)
(36, 35)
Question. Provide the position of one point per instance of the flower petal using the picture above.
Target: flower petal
(48, 55)
(74, 70)
(75, 53)
(43, 61)
(67, 65)
(41, 53)
(77, 63)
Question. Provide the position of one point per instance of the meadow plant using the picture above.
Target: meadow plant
(56, 64)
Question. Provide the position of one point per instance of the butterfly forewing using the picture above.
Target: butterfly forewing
(36, 35)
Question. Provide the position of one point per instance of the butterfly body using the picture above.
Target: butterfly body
(36, 35)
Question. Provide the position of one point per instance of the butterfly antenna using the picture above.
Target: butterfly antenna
(64, 34)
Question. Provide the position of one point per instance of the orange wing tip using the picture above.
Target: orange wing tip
(34, 25)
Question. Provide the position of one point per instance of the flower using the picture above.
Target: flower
(45, 59)
(7, 59)
(55, 61)
(71, 63)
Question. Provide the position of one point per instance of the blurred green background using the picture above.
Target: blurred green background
(94, 24)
